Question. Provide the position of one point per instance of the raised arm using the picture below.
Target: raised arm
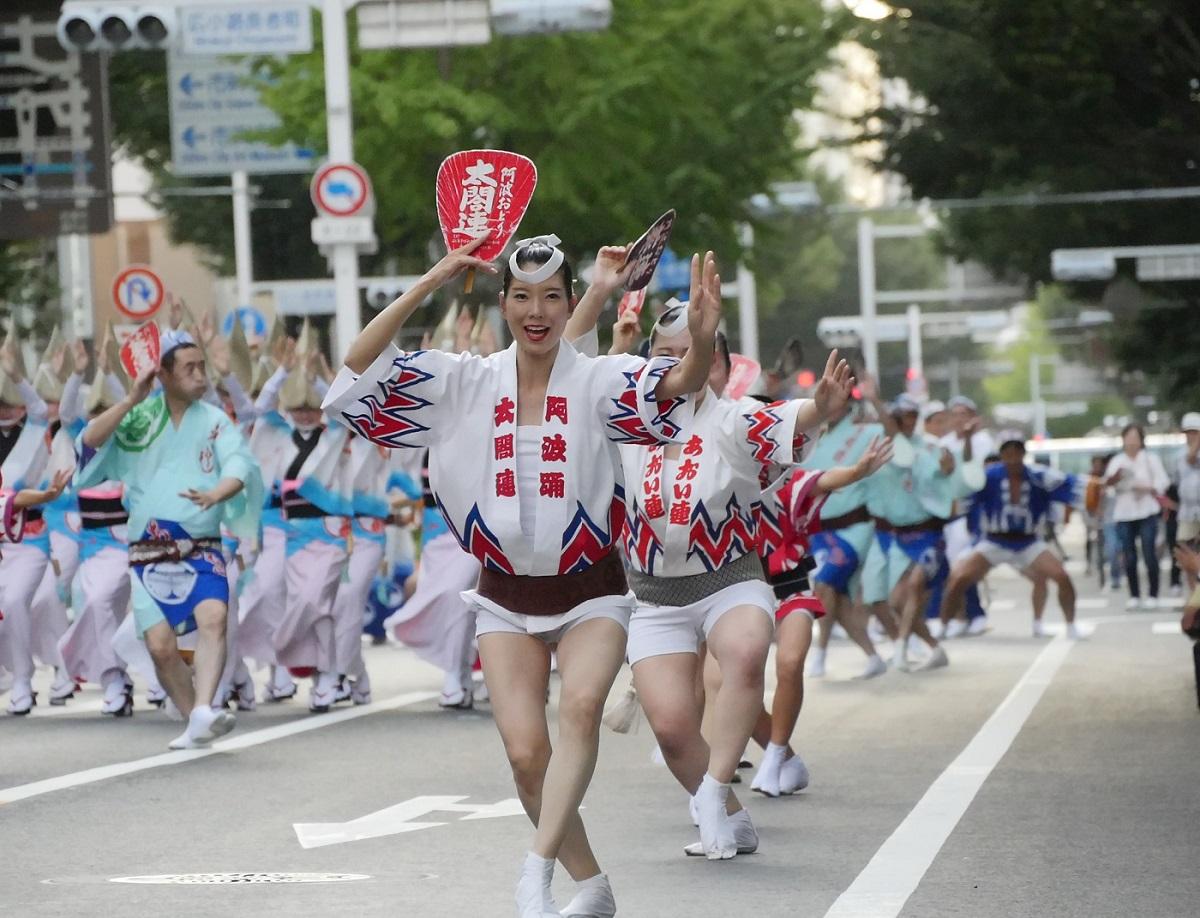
(704, 315)
(379, 333)
(877, 455)
(35, 409)
(608, 276)
(100, 428)
(830, 396)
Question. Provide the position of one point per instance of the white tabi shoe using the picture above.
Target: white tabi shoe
(956, 627)
(243, 695)
(1039, 630)
(793, 775)
(900, 656)
(716, 831)
(816, 663)
(281, 687)
(343, 690)
(204, 725)
(766, 779)
(22, 700)
(978, 625)
(875, 667)
(534, 899)
(118, 695)
(323, 693)
(593, 900)
(693, 812)
(360, 689)
(935, 660)
(743, 832)
(64, 687)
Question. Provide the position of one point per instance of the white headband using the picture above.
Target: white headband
(544, 272)
(678, 324)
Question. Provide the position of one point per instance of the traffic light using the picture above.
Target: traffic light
(86, 25)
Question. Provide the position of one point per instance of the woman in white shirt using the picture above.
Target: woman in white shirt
(1138, 480)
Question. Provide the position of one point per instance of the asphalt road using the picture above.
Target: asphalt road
(1030, 778)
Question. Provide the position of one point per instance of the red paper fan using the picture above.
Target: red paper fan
(633, 301)
(743, 374)
(141, 351)
(480, 190)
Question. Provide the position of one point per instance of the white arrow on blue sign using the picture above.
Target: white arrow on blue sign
(214, 104)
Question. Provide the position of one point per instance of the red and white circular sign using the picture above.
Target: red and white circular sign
(340, 189)
(138, 292)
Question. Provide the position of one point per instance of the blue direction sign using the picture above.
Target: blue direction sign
(256, 28)
(214, 105)
(254, 323)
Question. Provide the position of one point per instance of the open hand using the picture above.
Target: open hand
(834, 388)
(610, 271)
(141, 386)
(704, 301)
(626, 330)
(878, 454)
(79, 355)
(202, 499)
(946, 461)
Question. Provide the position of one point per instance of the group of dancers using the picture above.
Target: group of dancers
(581, 512)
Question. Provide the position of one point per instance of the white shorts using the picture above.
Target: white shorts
(1022, 559)
(491, 618)
(659, 630)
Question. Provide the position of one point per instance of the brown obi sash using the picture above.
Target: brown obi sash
(556, 594)
(156, 551)
(933, 524)
(1010, 538)
(846, 520)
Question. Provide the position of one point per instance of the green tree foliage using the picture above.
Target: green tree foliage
(1010, 96)
(680, 103)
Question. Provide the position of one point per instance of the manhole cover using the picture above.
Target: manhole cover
(211, 879)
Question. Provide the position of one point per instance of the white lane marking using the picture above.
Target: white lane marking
(1091, 602)
(1002, 605)
(1170, 628)
(242, 741)
(893, 874)
(398, 819)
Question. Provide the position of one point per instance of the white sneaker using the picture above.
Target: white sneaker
(1132, 604)
(956, 628)
(793, 775)
(593, 900)
(533, 888)
(936, 660)
(816, 663)
(978, 626)
(744, 834)
(716, 831)
(875, 667)
(766, 779)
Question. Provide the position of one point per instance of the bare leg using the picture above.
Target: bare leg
(517, 669)
(674, 719)
(887, 618)
(966, 573)
(210, 649)
(589, 657)
(739, 641)
(173, 674)
(793, 636)
(1047, 567)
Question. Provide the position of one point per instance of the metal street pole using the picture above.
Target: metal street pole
(915, 354)
(1035, 395)
(340, 138)
(242, 252)
(866, 293)
(747, 299)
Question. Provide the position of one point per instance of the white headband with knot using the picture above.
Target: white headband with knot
(543, 272)
(678, 324)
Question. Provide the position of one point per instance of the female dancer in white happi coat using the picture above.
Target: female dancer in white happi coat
(694, 514)
(524, 464)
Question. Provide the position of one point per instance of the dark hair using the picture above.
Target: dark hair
(721, 347)
(167, 361)
(535, 255)
(1140, 432)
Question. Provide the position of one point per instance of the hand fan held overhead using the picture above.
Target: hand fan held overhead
(480, 191)
(141, 351)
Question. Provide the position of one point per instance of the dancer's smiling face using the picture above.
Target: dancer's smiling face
(537, 313)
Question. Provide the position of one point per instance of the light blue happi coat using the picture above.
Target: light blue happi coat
(156, 461)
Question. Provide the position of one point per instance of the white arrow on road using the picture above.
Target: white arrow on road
(398, 819)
